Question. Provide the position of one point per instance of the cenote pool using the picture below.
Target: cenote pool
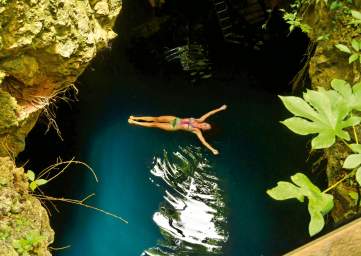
(177, 197)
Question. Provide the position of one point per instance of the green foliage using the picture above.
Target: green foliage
(343, 48)
(351, 95)
(34, 183)
(356, 18)
(354, 51)
(295, 22)
(354, 161)
(27, 244)
(323, 37)
(319, 203)
(321, 112)
(5, 232)
(335, 5)
(354, 196)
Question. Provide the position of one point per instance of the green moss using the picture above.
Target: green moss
(5, 232)
(8, 111)
(24, 224)
(28, 243)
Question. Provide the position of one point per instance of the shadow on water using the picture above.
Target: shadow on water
(192, 219)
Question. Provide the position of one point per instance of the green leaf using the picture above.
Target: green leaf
(40, 182)
(31, 175)
(319, 203)
(351, 99)
(285, 190)
(355, 148)
(355, 45)
(353, 57)
(325, 113)
(342, 87)
(317, 222)
(352, 161)
(358, 176)
(33, 185)
(323, 37)
(300, 126)
(335, 5)
(356, 14)
(343, 48)
(298, 107)
(323, 140)
(353, 195)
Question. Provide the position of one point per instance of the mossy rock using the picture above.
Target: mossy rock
(24, 223)
(8, 111)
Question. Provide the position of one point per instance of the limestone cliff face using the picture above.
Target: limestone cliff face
(326, 64)
(44, 46)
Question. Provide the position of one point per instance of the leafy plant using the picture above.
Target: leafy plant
(296, 22)
(351, 95)
(354, 161)
(356, 18)
(354, 52)
(34, 183)
(319, 203)
(335, 5)
(321, 112)
(27, 244)
(323, 37)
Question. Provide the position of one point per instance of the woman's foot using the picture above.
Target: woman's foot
(131, 121)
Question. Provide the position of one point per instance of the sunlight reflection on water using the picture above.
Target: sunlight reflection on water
(192, 218)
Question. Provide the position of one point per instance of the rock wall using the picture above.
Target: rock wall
(44, 46)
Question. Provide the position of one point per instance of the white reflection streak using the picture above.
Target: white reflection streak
(192, 199)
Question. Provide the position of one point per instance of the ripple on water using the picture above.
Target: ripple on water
(192, 218)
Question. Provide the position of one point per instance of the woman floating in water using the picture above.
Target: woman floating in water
(173, 123)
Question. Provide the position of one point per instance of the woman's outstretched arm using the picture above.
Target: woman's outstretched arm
(204, 142)
(205, 116)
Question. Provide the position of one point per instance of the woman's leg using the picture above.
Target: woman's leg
(159, 119)
(163, 126)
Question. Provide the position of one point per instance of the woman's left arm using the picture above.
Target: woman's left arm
(205, 116)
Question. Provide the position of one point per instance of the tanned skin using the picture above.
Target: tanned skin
(173, 123)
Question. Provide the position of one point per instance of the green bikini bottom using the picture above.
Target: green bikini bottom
(175, 122)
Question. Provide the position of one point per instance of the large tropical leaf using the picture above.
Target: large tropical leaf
(351, 95)
(319, 203)
(321, 112)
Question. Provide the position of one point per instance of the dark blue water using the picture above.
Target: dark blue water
(255, 152)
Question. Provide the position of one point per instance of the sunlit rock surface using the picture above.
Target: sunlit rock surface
(44, 46)
(24, 223)
(192, 219)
